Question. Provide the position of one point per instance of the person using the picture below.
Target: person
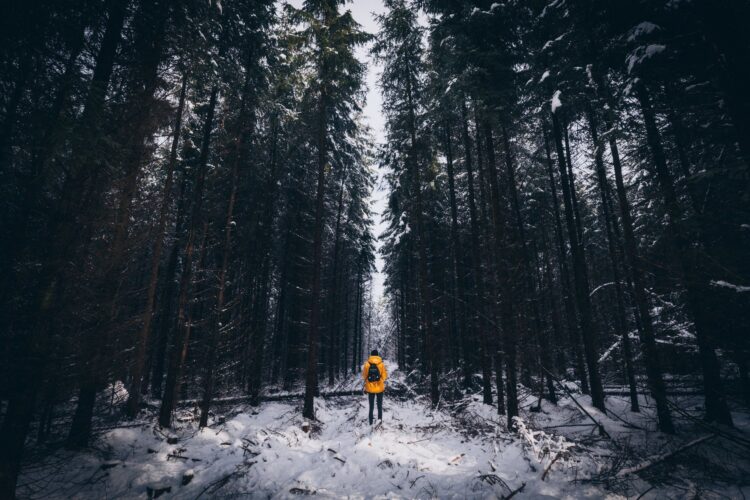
(374, 374)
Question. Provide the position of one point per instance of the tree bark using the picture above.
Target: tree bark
(696, 285)
(620, 319)
(139, 360)
(580, 277)
(574, 334)
(480, 312)
(313, 338)
(459, 296)
(34, 353)
(507, 280)
(182, 338)
(425, 288)
(528, 281)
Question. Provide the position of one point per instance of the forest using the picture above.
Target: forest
(544, 231)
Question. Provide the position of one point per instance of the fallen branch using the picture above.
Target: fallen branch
(664, 456)
(182, 457)
(415, 480)
(493, 480)
(418, 441)
(217, 485)
(549, 467)
(599, 426)
(517, 490)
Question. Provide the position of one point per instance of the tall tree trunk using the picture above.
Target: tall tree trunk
(620, 319)
(209, 376)
(260, 307)
(458, 301)
(581, 277)
(313, 338)
(333, 310)
(574, 334)
(182, 337)
(480, 312)
(425, 289)
(488, 257)
(646, 330)
(139, 360)
(696, 285)
(528, 282)
(246, 123)
(96, 343)
(33, 353)
(357, 321)
(507, 280)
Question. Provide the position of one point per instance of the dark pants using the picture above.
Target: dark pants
(371, 397)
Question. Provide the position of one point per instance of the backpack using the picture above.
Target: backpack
(373, 373)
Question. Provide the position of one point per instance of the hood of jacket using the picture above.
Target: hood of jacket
(374, 360)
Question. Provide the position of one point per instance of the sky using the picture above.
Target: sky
(364, 12)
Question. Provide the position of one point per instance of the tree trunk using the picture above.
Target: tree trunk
(139, 360)
(507, 281)
(574, 334)
(480, 311)
(313, 338)
(333, 310)
(458, 300)
(581, 277)
(65, 233)
(260, 307)
(528, 282)
(425, 289)
(648, 338)
(620, 319)
(182, 338)
(696, 285)
(208, 381)
(97, 342)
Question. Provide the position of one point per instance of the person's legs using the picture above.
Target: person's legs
(380, 406)
(371, 398)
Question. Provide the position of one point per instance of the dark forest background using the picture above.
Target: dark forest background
(185, 204)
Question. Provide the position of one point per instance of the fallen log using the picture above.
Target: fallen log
(664, 456)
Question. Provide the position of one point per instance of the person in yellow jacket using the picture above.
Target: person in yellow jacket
(375, 375)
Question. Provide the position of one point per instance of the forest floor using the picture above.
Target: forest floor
(461, 450)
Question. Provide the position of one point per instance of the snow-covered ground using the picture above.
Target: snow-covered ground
(457, 451)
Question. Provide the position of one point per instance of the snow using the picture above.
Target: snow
(610, 283)
(545, 75)
(736, 288)
(549, 43)
(417, 452)
(555, 102)
(459, 450)
(644, 28)
(641, 54)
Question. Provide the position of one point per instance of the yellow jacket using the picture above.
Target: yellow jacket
(378, 386)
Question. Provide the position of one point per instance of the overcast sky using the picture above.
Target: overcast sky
(363, 12)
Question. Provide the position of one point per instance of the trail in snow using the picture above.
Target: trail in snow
(416, 453)
(456, 451)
